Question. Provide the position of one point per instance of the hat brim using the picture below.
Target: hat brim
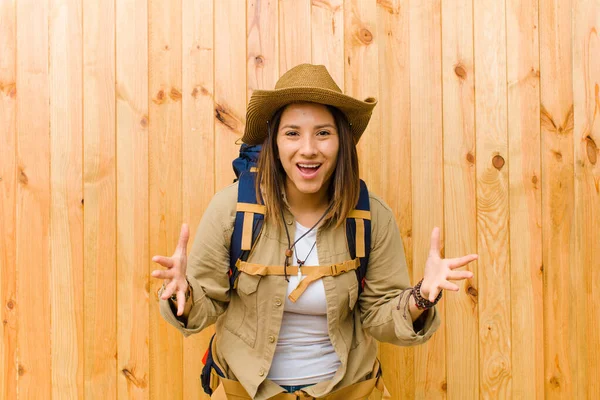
(264, 103)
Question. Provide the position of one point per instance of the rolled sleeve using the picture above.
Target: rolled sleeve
(384, 302)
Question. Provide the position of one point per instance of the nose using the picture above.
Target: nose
(308, 147)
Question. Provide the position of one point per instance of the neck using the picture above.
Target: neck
(306, 206)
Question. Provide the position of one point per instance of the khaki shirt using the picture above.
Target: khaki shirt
(248, 319)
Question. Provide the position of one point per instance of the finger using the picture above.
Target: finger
(433, 294)
(184, 236)
(180, 302)
(458, 275)
(448, 286)
(162, 274)
(461, 261)
(169, 290)
(164, 261)
(435, 240)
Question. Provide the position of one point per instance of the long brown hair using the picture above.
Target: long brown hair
(344, 186)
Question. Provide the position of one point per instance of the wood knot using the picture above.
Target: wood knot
(470, 158)
(460, 71)
(365, 36)
(167, 47)
(472, 291)
(10, 305)
(23, 177)
(82, 201)
(13, 92)
(195, 93)
(555, 382)
(259, 61)
(20, 370)
(498, 162)
(592, 150)
(534, 180)
(224, 117)
(444, 386)
(175, 94)
(558, 155)
(144, 122)
(140, 383)
(160, 97)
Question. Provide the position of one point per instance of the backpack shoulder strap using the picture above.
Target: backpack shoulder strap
(249, 220)
(358, 233)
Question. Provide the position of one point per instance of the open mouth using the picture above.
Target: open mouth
(308, 170)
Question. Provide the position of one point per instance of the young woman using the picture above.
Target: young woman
(287, 326)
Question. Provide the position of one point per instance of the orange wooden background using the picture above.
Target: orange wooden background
(118, 122)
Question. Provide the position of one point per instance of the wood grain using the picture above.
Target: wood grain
(495, 370)
(230, 87)
(165, 183)
(99, 200)
(584, 265)
(394, 134)
(427, 176)
(262, 56)
(556, 124)
(32, 297)
(8, 187)
(527, 307)
(198, 152)
(133, 253)
(327, 29)
(460, 197)
(295, 42)
(66, 193)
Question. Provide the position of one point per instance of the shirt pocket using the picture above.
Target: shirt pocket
(242, 315)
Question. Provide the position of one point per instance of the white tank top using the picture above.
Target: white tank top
(304, 353)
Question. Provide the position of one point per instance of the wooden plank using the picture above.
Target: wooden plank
(34, 362)
(66, 191)
(133, 253)
(394, 133)
(327, 26)
(495, 370)
(556, 112)
(8, 187)
(165, 184)
(583, 269)
(99, 192)
(427, 175)
(527, 306)
(294, 34)
(460, 196)
(198, 138)
(230, 86)
(362, 81)
(262, 53)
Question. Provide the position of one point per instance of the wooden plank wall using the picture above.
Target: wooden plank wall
(118, 122)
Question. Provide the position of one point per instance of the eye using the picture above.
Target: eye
(291, 133)
(323, 133)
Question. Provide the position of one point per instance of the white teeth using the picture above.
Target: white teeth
(309, 165)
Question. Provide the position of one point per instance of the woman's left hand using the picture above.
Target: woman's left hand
(439, 271)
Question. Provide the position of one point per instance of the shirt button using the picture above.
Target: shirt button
(261, 372)
(278, 302)
(272, 339)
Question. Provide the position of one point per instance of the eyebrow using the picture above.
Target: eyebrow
(316, 126)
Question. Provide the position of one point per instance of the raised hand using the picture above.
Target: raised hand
(174, 276)
(439, 271)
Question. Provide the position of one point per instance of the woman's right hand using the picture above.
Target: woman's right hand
(174, 276)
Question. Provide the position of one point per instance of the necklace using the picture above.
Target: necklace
(300, 262)
(289, 252)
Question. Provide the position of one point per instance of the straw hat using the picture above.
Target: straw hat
(304, 82)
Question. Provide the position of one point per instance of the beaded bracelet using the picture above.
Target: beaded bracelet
(421, 302)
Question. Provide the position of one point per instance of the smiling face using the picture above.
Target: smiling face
(308, 145)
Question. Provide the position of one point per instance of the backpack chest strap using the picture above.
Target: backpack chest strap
(310, 273)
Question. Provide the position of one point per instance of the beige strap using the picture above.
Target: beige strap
(247, 231)
(253, 169)
(249, 207)
(360, 237)
(312, 273)
(362, 214)
(228, 389)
